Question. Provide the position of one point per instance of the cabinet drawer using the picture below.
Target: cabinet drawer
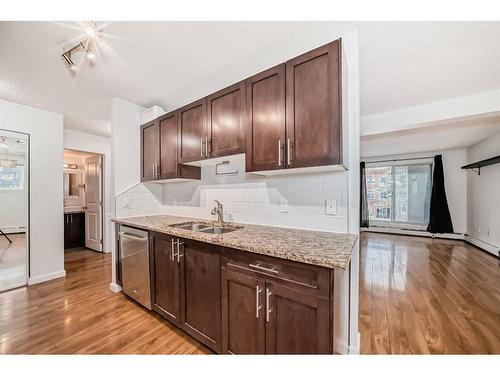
(312, 279)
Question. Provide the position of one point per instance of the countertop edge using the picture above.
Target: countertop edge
(341, 265)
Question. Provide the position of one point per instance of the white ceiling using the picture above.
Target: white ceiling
(450, 135)
(173, 63)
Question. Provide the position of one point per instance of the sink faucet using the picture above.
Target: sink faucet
(219, 211)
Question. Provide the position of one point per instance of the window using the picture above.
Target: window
(11, 175)
(401, 193)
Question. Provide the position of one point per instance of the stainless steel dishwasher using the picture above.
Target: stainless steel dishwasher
(134, 256)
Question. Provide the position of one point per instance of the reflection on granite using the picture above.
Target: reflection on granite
(326, 249)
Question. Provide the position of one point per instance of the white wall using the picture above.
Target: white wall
(46, 188)
(483, 198)
(13, 214)
(455, 178)
(79, 141)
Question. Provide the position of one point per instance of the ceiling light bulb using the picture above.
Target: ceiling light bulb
(90, 32)
(91, 56)
(74, 68)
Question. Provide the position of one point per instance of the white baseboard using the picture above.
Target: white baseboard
(46, 277)
(409, 232)
(483, 245)
(115, 287)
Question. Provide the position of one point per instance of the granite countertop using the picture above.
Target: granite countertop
(325, 249)
(73, 210)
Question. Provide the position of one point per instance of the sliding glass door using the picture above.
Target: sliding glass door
(399, 194)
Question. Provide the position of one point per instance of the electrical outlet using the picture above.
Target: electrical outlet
(330, 207)
(283, 205)
(126, 201)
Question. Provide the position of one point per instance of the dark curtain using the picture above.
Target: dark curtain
(439, 216)
(364, 218)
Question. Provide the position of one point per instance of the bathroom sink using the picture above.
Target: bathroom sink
(208, 227)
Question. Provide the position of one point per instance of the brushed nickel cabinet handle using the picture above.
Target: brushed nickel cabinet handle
(179, 255)
(289, 154)
(258, 306)
(279, 152)
(172, 256)
(207, 152)
(268, 304)
(265, 269)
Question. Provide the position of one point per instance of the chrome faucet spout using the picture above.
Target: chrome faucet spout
(219, 211)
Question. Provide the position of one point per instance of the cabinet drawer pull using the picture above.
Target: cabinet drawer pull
(264, 269)
(268, 304)
(172, 256)
(179, 255)
(207, 151)
(258, 306)
(289, 154)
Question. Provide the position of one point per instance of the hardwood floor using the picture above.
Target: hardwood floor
(79, 314)
(421, 295)
(417, 295)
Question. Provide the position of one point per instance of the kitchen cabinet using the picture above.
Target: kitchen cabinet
(193, 139)
(74, 230)
(149, 151)
(274, 307)
(169, 166)
(165, 276)
(265, 108)
(238, 302)
(160, 151)
(201, 292)
(313, 108)
(294, 113)
(226, 121)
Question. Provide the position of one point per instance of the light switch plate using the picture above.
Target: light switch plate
(331, 207)
(283, 205)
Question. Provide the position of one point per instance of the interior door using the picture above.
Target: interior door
(226, 121)
(149, 151)
(313, 108)
(265, 96)
(243, 313)
(93, 202)
(168, 146)
(193, 135)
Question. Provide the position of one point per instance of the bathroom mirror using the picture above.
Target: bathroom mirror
(72, 184)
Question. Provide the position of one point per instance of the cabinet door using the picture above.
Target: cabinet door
(77, 231)
(265, 108)
(165, 277)
(296, 322)
(201, 292)
(243, 313)
(226, 121)
(192, 120)
(313, 108)
(149, 151)
(168, 146)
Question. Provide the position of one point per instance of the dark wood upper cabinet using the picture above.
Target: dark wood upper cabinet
(243, 313)
(192, 131)
(299, 323)
(165, 277)
(169, 135)
(168, 146)
(226, 121)
(201, 292)
(313, 107)
(265, 108)
(150, 151)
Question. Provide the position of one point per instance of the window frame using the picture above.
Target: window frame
(21, 178)
(393, 164)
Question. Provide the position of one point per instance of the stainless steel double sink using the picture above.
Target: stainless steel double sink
(207, 228)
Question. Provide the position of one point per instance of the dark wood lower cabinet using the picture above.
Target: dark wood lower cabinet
(74, 230)
(243, 314)
(165, 277)
(241, 303)
(201, 292)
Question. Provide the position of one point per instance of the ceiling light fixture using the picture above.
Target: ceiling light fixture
(92, 33)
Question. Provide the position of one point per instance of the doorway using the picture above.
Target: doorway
(14, 212)
(83, 200)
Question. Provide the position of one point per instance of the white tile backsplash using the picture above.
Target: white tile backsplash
(246, 198)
